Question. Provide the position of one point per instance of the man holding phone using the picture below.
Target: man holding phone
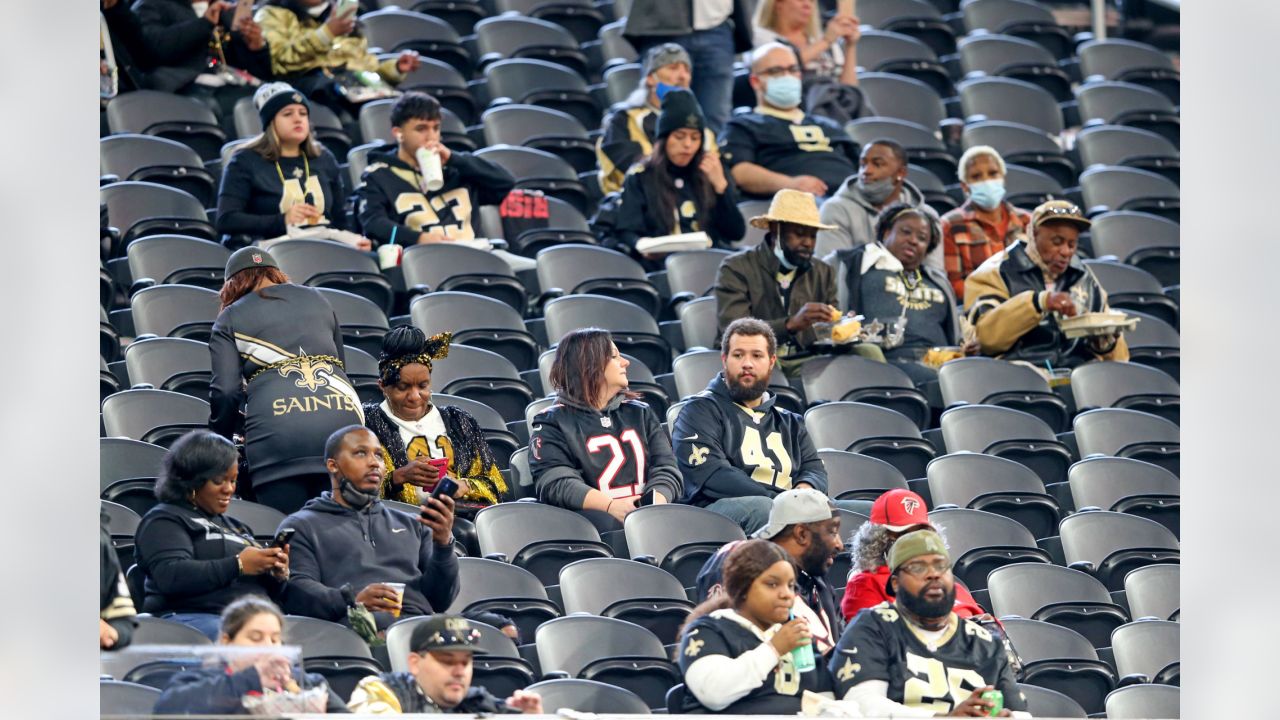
(348, 545)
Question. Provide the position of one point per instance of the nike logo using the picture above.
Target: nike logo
(690, 438)
(849, 651)
(396, 530)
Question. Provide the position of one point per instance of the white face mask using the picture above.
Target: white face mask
(318, 10)
(200, 8)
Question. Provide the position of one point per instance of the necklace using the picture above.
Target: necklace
(911, 286)
(306, 171)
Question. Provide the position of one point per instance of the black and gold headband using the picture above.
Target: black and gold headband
(435, 348)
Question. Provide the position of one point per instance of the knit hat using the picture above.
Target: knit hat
(443, 632)
(273, 97)
(1059, 210)
(802, 505)
(679, 110)
(248, 257)
(898, 510)
(660, 56)
(911, 546)
(792, 206)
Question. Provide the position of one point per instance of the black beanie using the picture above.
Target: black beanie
(679, 110)
(271, 98)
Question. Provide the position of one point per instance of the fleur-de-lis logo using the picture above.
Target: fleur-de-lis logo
(309, 369)
(699, 455)
(848, 670)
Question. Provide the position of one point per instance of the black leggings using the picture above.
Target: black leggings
(289, 494)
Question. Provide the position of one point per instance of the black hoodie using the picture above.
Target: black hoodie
(727, 450)
(335, 545)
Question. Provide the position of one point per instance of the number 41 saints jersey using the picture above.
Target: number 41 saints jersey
(727, 450)
(881, 645)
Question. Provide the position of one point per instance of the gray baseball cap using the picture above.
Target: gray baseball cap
(792, 507)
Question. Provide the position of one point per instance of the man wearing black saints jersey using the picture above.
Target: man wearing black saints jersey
(393, 201)
(777, 145)
(736, 448)
(914, 657)
(598, 450)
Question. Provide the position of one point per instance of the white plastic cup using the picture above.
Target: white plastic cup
(399, 588)
(432, 171)
(389, 255)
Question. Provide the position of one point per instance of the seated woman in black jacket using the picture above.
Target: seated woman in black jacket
(222, 688)
(283, 177)
(679, 187)
(196, 559)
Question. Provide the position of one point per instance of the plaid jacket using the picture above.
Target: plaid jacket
(968, 241)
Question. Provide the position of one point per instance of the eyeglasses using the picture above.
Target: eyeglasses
(779, 71)
(919, 567)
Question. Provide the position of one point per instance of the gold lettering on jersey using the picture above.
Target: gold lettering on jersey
(811, 138)
(973, 628)
(786, 681)
(420, 447)
(848, 670)
(941, 688)
(310, 371)
(312, 403)
(294, 193)
(424, 214)
(693, 647)
(766, 471)
(922, 297)
(887, 613)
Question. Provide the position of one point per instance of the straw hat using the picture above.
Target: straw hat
(791, 206)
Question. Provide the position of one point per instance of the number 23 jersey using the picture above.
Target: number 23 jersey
(881, 645)
(622, 452)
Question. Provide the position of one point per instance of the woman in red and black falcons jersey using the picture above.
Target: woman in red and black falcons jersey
(599, 450)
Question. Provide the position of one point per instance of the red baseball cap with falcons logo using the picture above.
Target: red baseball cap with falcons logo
(899, 510)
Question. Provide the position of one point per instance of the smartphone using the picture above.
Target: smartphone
(847, 7)
(244, 11)
(441, 465)
(346, 7)
(282, 538)
(446, 486)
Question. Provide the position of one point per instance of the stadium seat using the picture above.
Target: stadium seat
(108, 382)
(498, 587)
(588, 696)
(921, 144)
(1046, 703)
(931, 187)
(755, 235)
(1024, 146)
(497, 665)
(635, 331)
(461, 15)
(903, 98)
(1148, 648)
(565, 224)
(610, 650)
(979, 542)
(139, 209)
(1103, 384)
(1121, 103)
(332, 650)
(501, 441)
(159, 631)
(1144, 701)
(1020, 18)
(678, 538)
(393, 30)
(484, 376)
(362, 370)
(870, 430)
(699, 326)
(441, 81)
(175, 364)
(899, 54)
(581, 269)
(987, 381)
(123, 460)
(1013, 57)
(636, 592)
(851, 476)
(1061, 659)
(620, 81)
(615, 49)
(122, 523)
(323, 263)
(521, 478)
(1128, 486)
(1148, 242)
(1028, 188)
(375, 126)
(1010, 434)
(538, 82)
(181, 311)
(512, 36)
(1128, 147)
(124, 699)
(1118, 432)
(694, 370)
(858, 379)
(1126, 188)
(1152, 592)
(1129, 61)
(1132, 288)
(152, 673)
(477, 321)
(174, 117)
(263, 520)
(443, 266)
(1109, 544)
(176, 260)
(158, 417)
(539, 170)
(1011, 100)
(917, 18)
(1057, 595)
(542, 129)
(692, 275)
(539, 538)
(362, 323)
(148, 158)
(581, 18)
(995, 485)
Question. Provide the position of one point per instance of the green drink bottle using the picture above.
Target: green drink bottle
(803, 655)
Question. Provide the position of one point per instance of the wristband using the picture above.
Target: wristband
(239, 565)
(1035, 301)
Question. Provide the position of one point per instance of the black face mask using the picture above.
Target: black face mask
(352, 495)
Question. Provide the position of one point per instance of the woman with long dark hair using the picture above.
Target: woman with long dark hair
(599, 450)
(736, 649)
(277, 349)
(680, 187)
(195, 558)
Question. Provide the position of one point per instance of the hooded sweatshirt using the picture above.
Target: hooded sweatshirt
(727, 450)
(855, 219)
(335, 545)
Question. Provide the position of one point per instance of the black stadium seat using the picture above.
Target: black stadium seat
(361, 321)
(1143, 701)
(443, 82)
(332, 650)
(393, 30)
(857, 379)
(1119, 432)
(626, 590)
(182, 311)
(483, 376)
(1128, 486)
(323, 263)
(117, 698)
(635, 331)
(175, 364)
(995, 485)
(1121, 103)
(138, 209)
(588, 696)
(581, 18)
(893, 52)
(1145, 241)
(1061, 659)
(1130, 61)
(870, 430)
(443, 266)
(542, 129)
(917, 18)
(1022, 145)
(477, 321)
(165, 115)
(176, 260)
(678, 538)
(1058, 595)
(1012, 434)
(904, 98)
(1125, 385)
(1148, 648)
(1152, 592)
(582, 269)
(509, 590)
(149, 158)
(1011, 100)
(979, 542)
(1014, 57)
(538, 82)
(1020, 18)
(607, 650)
(1132, 288)
(1109, 544)
(987, 381)
(153, 416)
(512, 36)
(539, 538)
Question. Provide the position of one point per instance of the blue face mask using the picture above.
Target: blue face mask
(987, 194)
(783, 92)
(661, 90)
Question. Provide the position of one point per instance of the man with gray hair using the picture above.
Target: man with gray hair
(777, 145)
